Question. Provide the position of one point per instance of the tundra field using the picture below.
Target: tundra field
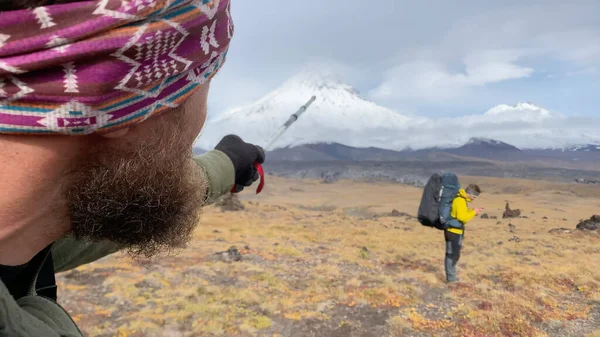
(349, 259)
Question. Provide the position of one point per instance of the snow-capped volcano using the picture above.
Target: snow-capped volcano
(338, 114)
(523, 111)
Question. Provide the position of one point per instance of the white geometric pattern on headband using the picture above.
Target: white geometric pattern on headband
(127, 10)
(60, 44)
(63, 117)
(70, 79)
(229, 21)
(208, 38)
(23, 90)
(136, 53)
(206, 9)
(2, 91)
(43, 17)
(3, 39)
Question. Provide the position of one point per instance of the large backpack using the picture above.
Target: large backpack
(436, 201)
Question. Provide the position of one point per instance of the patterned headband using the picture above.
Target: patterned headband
(97, 66)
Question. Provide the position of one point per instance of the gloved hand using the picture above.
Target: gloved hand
(243, 156)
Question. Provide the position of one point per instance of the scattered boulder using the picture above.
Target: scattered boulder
(493, 217)
(485, 216)
(499, 223)
(560, 231)
(511, 213)
(329, 178)
(587, 181)
(230, 203)
(515, 239)
(592, 224)
(511, 227)
(230, 255)
(545, 218)
(397, 213)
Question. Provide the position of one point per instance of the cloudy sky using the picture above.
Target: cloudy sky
(431, 58)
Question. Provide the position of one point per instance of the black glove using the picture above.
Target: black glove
(243, 156)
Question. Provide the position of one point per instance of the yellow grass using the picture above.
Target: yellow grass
(316, 248)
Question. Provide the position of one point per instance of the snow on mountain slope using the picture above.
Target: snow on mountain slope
(525, 126)
(338, 115)
(526, 112)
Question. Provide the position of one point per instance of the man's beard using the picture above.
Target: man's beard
(147, 199)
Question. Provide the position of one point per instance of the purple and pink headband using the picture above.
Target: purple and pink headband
(97, 66)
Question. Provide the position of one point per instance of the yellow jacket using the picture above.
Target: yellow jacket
(460, 211)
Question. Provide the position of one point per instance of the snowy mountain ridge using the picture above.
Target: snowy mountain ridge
(340, 115)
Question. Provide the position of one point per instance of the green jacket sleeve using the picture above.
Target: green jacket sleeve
(69, 253)
(219, 174)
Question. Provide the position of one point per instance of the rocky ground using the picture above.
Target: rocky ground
(308, 258)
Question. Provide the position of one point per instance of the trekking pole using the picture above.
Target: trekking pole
(291, 120)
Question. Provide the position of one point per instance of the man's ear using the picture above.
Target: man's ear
(116, 134)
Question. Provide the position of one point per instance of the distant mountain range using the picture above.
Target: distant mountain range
(475, 149)
(482, 149)
(340, 115)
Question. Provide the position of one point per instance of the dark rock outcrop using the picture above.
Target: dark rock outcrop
(587, 181)
(329, 178)
(591, 224)
(511, 213)
(230, 255)
(397, 213)
(230, 203)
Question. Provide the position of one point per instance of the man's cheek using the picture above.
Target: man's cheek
(195, 110)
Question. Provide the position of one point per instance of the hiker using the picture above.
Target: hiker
(460, 214)
(100, 103)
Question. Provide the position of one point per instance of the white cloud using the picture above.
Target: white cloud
(431, 80)
(415, 54)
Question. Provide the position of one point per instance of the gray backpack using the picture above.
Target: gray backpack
(436, 201)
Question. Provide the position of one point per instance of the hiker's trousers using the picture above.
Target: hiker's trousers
(453, 246)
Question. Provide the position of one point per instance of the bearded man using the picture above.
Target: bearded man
(100, 104)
